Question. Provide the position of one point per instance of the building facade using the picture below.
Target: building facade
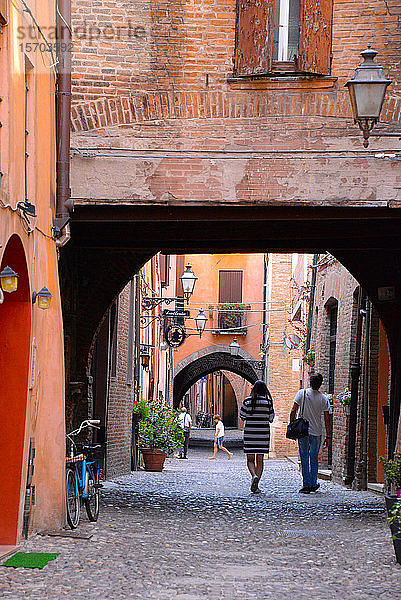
(350, 349)
(32, 353)
(204, 139)
(247, 299)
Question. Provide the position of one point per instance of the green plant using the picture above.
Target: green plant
(345, 397)
(395, 518)
(231, 315)
(392, 469)
(161, 429)
(141, 409)
(309, 357)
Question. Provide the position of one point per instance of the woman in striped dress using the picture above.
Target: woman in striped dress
(257, 413)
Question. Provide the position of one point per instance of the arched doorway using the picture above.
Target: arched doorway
(15, 327)
(210, 360)
(112, 242)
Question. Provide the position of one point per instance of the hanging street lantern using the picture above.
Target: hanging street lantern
(188, 280)
(44, 298)
(9, 280)
(200, 320)
(234, 347)
(145, 356)
(367, 90)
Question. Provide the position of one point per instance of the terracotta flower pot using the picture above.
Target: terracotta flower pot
(394, 527)
(153, 459)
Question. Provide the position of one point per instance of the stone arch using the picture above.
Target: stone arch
(208, 360)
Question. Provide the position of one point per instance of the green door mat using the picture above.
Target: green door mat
(30, 560)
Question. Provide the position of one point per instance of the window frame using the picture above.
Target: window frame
(253, 59)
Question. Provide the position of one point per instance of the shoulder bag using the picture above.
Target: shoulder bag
(298, 428)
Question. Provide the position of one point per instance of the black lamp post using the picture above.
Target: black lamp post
(367, 90)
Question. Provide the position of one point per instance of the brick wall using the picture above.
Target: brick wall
(119, 412)
(158, 77)
(334, 282)
(282, 381)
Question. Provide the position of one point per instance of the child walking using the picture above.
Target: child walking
(219, 438)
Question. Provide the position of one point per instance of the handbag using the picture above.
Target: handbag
(298, 428)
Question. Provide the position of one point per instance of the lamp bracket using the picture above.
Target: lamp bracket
(58, 224)
(366, 126)
(149, 303)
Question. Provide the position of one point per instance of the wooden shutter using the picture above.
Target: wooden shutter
(230, 286)
(254, 37)
(164, 265)
(3, 12)
(315, 36)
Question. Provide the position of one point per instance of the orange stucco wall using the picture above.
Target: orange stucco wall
(283, 379)
(37, 410)
(206, 267)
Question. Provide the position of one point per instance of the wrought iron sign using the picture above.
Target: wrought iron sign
(174, 335)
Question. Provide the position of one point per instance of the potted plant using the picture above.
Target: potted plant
(140, 410)
(159, 435)
(392, 469)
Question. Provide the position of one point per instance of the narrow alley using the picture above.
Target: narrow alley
(195, 531)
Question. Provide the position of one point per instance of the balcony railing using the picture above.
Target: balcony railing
(229, 319)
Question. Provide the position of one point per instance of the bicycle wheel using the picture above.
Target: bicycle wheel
(73, 503)
(92, 500)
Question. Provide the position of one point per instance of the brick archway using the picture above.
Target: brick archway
(209, 360)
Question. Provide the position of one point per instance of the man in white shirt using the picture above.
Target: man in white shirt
(186, 424)
(312, 405)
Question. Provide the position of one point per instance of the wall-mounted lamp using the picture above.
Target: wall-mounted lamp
(234, 347)
(9, 280)
(27, 208)
(200, 321)
(188, 280)
(44, 298)
(145, 356)
(367, 90)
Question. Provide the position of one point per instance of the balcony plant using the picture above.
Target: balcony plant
(392, 469)
(159, 435)
(231, 316)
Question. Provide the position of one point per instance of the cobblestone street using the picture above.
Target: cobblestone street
(195, 531)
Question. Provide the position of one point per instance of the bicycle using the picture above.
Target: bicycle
(82, 483)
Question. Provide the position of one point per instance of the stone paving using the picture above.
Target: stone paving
(195, 531)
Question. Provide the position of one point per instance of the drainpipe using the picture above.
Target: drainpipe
(137, 345)
(311, 301)
(353, 413)
(137, 327)
(264, 327)
(64, 204)
(365, 433)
